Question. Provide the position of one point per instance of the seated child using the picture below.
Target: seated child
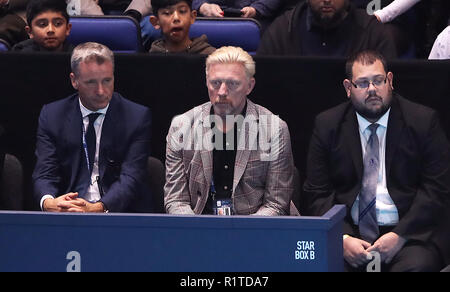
(174, 18)
(48, 27)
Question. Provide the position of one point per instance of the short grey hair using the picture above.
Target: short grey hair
(88, 52)
(229, 55)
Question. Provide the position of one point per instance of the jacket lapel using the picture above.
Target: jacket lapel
(352, 140)
(206, 152)
(110, 129)
(393, 134)
(242, 155)
(73, 139)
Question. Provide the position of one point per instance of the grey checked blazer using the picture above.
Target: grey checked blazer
(263, 176)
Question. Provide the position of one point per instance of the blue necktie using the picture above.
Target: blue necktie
(368, 225)
(91, 140)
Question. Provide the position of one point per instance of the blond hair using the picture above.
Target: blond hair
(229, 55)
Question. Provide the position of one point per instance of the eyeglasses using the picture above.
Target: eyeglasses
(230, 84)
(364, 84)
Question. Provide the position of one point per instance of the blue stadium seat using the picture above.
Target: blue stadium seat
(122, 34)
(227, 31)
(3, 46)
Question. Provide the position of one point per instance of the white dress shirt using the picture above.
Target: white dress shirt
(93, 193)
(387, 213)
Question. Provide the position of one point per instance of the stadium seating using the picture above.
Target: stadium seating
(3, 46)
(240, 32)
(122, 34)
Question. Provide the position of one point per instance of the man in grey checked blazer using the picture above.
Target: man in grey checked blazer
(262, 180)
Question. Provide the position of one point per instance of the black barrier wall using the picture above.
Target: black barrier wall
(296, 89)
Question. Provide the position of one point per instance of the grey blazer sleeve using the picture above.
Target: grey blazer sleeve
(176, 189)
(280, 176)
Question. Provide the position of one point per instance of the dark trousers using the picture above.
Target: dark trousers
(415, 256)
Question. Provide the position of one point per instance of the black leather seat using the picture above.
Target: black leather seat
(11, 184)
(156, 180)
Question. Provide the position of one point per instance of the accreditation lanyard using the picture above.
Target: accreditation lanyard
(221, 207)
(86, 149)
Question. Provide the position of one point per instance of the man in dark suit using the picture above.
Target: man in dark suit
(387, 159)
(92, 147)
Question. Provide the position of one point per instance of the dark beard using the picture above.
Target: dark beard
(372, 115)
(328, 22)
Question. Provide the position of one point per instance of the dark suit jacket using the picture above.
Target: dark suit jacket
(417, 168)
(124, 149)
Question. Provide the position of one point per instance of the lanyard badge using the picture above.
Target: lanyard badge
(222, 207)
(85, 148)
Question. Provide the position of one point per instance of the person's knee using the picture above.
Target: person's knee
(415, 266)
(416, 259)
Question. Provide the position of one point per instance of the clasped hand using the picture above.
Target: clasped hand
(356, 251)
(71, 203)
(214, 10)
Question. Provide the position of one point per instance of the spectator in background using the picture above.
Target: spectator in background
(400, 20)
(394, 9)
(13, 22)
(134, 8)
(262, 10)
(88, 158)
(387, 159)
(333, 28)
(436, 21)
(174, 18)
(441, 47)
(414, 24)
(139, 9)
(402, 28)
(83, 7)
(48, 27)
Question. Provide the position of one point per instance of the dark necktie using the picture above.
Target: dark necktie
(91, 140)
(368, 225)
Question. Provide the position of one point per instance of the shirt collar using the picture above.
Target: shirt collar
(363, 123)
(85, 112)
